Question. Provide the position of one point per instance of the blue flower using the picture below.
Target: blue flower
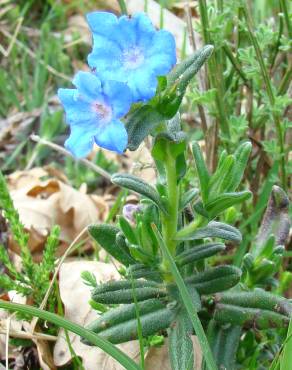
(130, 50)
(93, 111)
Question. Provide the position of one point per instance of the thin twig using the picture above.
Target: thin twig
(190, 26)
(235, 63)
(5, 9)
(13, 39)
(34, 56)
(24, 335)
(7, 343)
(71, 247)
(62, 150)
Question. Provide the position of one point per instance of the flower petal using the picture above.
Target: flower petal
(77, 110)
(119, 97)
(102, 23)
(116, 32)
(126, 35)
(142, 83)
(161, 54)
(145, 30)
(162, 41)
(88, 85)
(80, 142)
(103, 58)
(113, 136)
(68, 97)
(160, 64)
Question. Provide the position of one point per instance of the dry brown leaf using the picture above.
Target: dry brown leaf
(45, 355)
(15, 325)
(42, 204)
(21, 179)
(75, 296)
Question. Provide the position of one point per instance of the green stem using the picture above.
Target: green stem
(286, 80)
(277, 44)
(59, 321)
(188, 302)
(235, 63)
(215, 74)
(270, 92)
(284, 9)
(169, 221)
(123, 7)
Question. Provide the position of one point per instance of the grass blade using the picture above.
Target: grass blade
(189, 305)
(59, 321)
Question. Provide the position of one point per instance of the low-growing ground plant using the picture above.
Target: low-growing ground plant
(187, 265)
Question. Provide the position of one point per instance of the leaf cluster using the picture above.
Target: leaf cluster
(33, 279)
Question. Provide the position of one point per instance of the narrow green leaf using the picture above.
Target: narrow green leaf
(180, 348)
(138, 185)
(198, 252)
(221, 175)
(116, 292)
(152, 321)
(140, 123)
(124, 313)
(188, 302)
(224, 201)
(215, 279)
(188, 197)
(142, 271)
(174, 94)
(202, 170)
(249, 317)
(257, 298)
(106, 236)
(241, 158)
(197, 59)
(224, 342)
(127, 230)
(214, 230)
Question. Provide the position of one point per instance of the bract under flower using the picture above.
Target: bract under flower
(93, 111)
(130, 50)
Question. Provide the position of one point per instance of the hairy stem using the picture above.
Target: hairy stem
(169, 222)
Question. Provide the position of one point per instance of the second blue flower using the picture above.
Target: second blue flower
(130, 50)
